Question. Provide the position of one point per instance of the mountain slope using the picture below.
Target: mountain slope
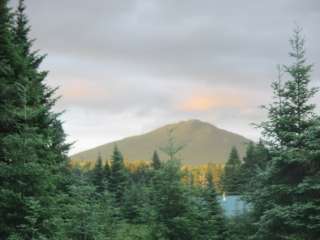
(204, 143)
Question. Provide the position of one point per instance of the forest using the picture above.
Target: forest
(44, 196)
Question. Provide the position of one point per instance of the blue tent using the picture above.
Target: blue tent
(233, 205)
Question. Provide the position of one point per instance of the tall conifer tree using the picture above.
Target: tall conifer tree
(118, 177)
(287, 199)
(32, 148)
(156, 163)
(98, 175)
(215, 222)
(231, 176)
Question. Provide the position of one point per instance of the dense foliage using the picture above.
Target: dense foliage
(286, 193)
(32, 142)
(231, 177)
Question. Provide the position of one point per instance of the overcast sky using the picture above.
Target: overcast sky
(128, 66)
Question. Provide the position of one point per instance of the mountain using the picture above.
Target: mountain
(203, 142)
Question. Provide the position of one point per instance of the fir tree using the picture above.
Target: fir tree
(171, 149)
(231, 177)
(156, 163)
(80, 214)
(170, 202)
(255, 160)
(98, 175)
(134, 202)
(107, 171)
(249, 159)
(215, 222)
(32, 148)
(287, 200)
(118, 177)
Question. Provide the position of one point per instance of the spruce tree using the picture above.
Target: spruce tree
(255, 160)
(172, 148)
(287, 200)
(80, 213)
(156, 163)
(98, 175)
(9, 60)
(249, 159)
(170, 203)
(32, 148)
(215, 222)
(231, 176)
(118, 177)
(107, 171)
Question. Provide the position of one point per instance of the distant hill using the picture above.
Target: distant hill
(204, 143)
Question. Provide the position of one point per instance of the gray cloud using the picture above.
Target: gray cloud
(138, 61)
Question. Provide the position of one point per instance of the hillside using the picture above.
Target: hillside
(204, 143)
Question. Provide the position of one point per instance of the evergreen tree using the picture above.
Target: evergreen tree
(9, 60)
(231, 177)
(255, 160)
(287, 200)
(141, 174)
(98, 175)
(134, 202)
(118, 177)
(80, 214)
(262, 155)
(215, 223)
(107, 171)
(170, 203)
(171, 149)
(156, 163)
(249, 159)
(32, 148)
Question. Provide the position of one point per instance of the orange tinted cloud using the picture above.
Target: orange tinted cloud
(198, 103)
(81, 90)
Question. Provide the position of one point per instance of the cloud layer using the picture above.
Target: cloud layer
(128, 66)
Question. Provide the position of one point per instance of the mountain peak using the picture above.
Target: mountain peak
(197, 122)
(191, 123)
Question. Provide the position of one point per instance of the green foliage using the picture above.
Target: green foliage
(80, 214)
(156, 163)
(231, 177)
(171, 149)
(98, 175)
(32, 142)
(107, 171)
(215, 224)
(118, 176)
(286, 199)
(127, 231)
(256, 159)
(169, 200)
(135, 197)
(241, 227)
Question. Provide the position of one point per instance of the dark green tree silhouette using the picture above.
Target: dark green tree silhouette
(98, 175)
(32, 141)
(215, 224)
(156, 163)
(118, 177)
(231, 178)
(286, 201)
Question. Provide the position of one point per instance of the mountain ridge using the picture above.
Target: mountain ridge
(204, 143)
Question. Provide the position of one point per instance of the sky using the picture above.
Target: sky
(125, 67)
